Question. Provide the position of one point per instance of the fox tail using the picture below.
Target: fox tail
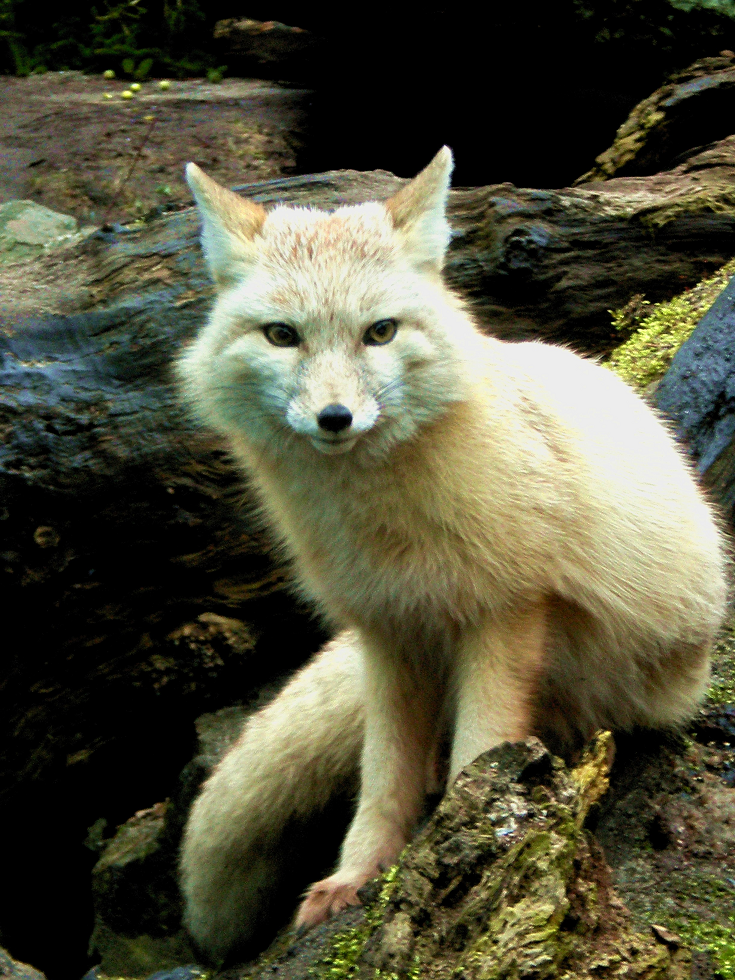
(292, 758)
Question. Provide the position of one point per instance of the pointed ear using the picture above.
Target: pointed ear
(230, 225)
(419, 215)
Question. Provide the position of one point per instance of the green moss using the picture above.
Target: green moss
(388, 886)
(712, 927)
(340, 962)
(722, 690)
(661, 329)
(720, 201)
(717, 939)
(698, 907)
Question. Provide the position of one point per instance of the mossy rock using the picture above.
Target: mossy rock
(502, 882)
(657, 331)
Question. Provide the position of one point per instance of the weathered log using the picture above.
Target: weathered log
(690, 110)
(502, 882)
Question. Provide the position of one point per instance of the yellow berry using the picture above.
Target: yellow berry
(108, 74)
(107, 95)
(135, 87)
(127, 94)
(164, 84)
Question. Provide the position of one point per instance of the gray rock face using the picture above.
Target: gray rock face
(698, 394)
(26, 228)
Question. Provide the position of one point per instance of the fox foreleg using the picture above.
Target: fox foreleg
(495, 677)
(400, 734)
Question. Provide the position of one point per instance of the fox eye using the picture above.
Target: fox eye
(281, 335)
(381, 332)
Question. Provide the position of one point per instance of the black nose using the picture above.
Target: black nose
(334, 418)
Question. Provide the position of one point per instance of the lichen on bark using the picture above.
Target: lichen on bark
(505, 882)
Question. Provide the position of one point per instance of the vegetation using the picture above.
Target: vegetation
(135, 38)
(171, 37)
(722, 689)
(656, 332)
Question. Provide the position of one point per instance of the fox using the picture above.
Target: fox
(503, 538)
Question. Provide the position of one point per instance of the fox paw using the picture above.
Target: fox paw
(325, 899)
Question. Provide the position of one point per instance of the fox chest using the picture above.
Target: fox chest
(362, 557)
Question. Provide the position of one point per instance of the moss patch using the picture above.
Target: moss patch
(700, 909)
(341, 961)
(661, 329)
(345, 949)
(722, 690)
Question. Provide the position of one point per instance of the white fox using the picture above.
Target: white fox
(505, 538)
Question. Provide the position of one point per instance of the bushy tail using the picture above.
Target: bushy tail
(291, 759)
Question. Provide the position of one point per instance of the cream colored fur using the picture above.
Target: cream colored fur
(507, 537)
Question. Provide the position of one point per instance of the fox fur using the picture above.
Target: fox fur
(505, 538)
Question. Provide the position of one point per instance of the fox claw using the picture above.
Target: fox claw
(323, 900)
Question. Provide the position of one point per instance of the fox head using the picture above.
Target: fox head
(329, 328)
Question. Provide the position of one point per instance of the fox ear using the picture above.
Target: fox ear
(230, 225)
(419, 212)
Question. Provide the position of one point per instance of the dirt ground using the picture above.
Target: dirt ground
(71, 141)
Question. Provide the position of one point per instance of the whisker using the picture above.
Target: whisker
(388, 390)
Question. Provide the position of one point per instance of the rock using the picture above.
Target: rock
(667, 829)
(188, 972)
(191, 971)
(698, 394)
(137, 906)
(11, 969)
(692, 109)
(26, 228)
(135, 882)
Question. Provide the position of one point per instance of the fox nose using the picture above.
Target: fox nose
(334, 418)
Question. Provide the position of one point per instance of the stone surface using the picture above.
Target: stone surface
(135, 882)
(26, 228)
(667, 829)
(137, 906)
(698, 394)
